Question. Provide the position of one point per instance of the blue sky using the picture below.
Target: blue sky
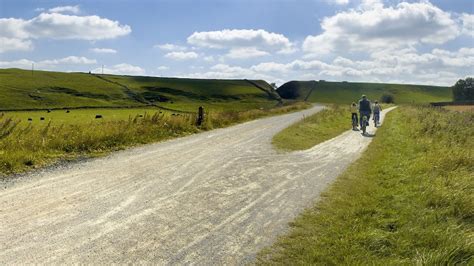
(425, 42)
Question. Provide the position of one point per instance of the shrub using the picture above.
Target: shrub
(463, 90)
(387, 98)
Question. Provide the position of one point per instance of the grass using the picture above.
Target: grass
(314, 129)
(43, 89)
(347, 92)
(407, 201)
(22, 89)
(25, 146)
(460, 108)
(189, 94)
(80, 116)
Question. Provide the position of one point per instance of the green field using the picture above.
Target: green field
(189, 94)
(81, 116)
(347, 92)
(407, 201)
(22, 89)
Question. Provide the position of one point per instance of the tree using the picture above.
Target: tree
(463, 90)
(387, 98)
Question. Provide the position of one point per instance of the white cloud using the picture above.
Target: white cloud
(19, 32)
(49, 63)
(241, 38)
(438, 67)
(245, 53)
(371, 4)
(170, 47)
(70, 60)
(11, 44)
(338, 2)
(22, 63)
(271, 67)
(60, 26)
(468, 24)
(65, 9)
(121, 69)
(13, 28)
(209, 58)
(224, 71)
(163, 68)
(383, 28)
(181, 55)
(104, 50)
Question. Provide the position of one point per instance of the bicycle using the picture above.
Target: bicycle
(376, 119)
(364, 124)
(354, 122)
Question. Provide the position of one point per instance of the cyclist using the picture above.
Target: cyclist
(377, 109)
(364, 109)
(354, 117)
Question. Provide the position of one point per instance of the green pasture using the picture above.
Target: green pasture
(189, 94)
(81, 116)
(347, 92)
(23, 89)
(43, 89)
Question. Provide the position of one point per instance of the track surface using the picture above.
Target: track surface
(210, 198)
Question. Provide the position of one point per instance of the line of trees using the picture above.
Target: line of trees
(463, 90)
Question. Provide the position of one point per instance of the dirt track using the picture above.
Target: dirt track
(215, 197)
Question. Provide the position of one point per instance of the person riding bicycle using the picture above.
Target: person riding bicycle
(354, 118)
(364, 109)
(376, 110)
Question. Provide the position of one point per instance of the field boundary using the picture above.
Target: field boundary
(132, 95)
(310, 91)
(271, 92)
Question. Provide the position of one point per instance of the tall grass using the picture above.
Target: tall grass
(314, 129)
(407, 201)
(226, 118)
(23, 147)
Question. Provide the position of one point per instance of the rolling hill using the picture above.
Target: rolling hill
(22, 89)
(347, 92)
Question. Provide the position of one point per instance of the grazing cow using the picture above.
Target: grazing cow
(30, 119)
(67, 111)
(98, 116)
(41, 118)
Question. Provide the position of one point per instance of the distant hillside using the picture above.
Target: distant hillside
(346, 92)
(189, 93)
(22, 89)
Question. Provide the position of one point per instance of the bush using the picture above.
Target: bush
(463, 90)
(387, 98)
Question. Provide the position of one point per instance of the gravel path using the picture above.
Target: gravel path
(210, 198)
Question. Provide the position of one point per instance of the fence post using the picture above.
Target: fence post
(200, 117)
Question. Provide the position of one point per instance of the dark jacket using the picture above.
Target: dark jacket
(364, 106)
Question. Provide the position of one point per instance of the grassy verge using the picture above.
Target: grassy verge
(25, 146)
(315, 129)
(407, 200)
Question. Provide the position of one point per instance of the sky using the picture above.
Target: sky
(396, 41)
